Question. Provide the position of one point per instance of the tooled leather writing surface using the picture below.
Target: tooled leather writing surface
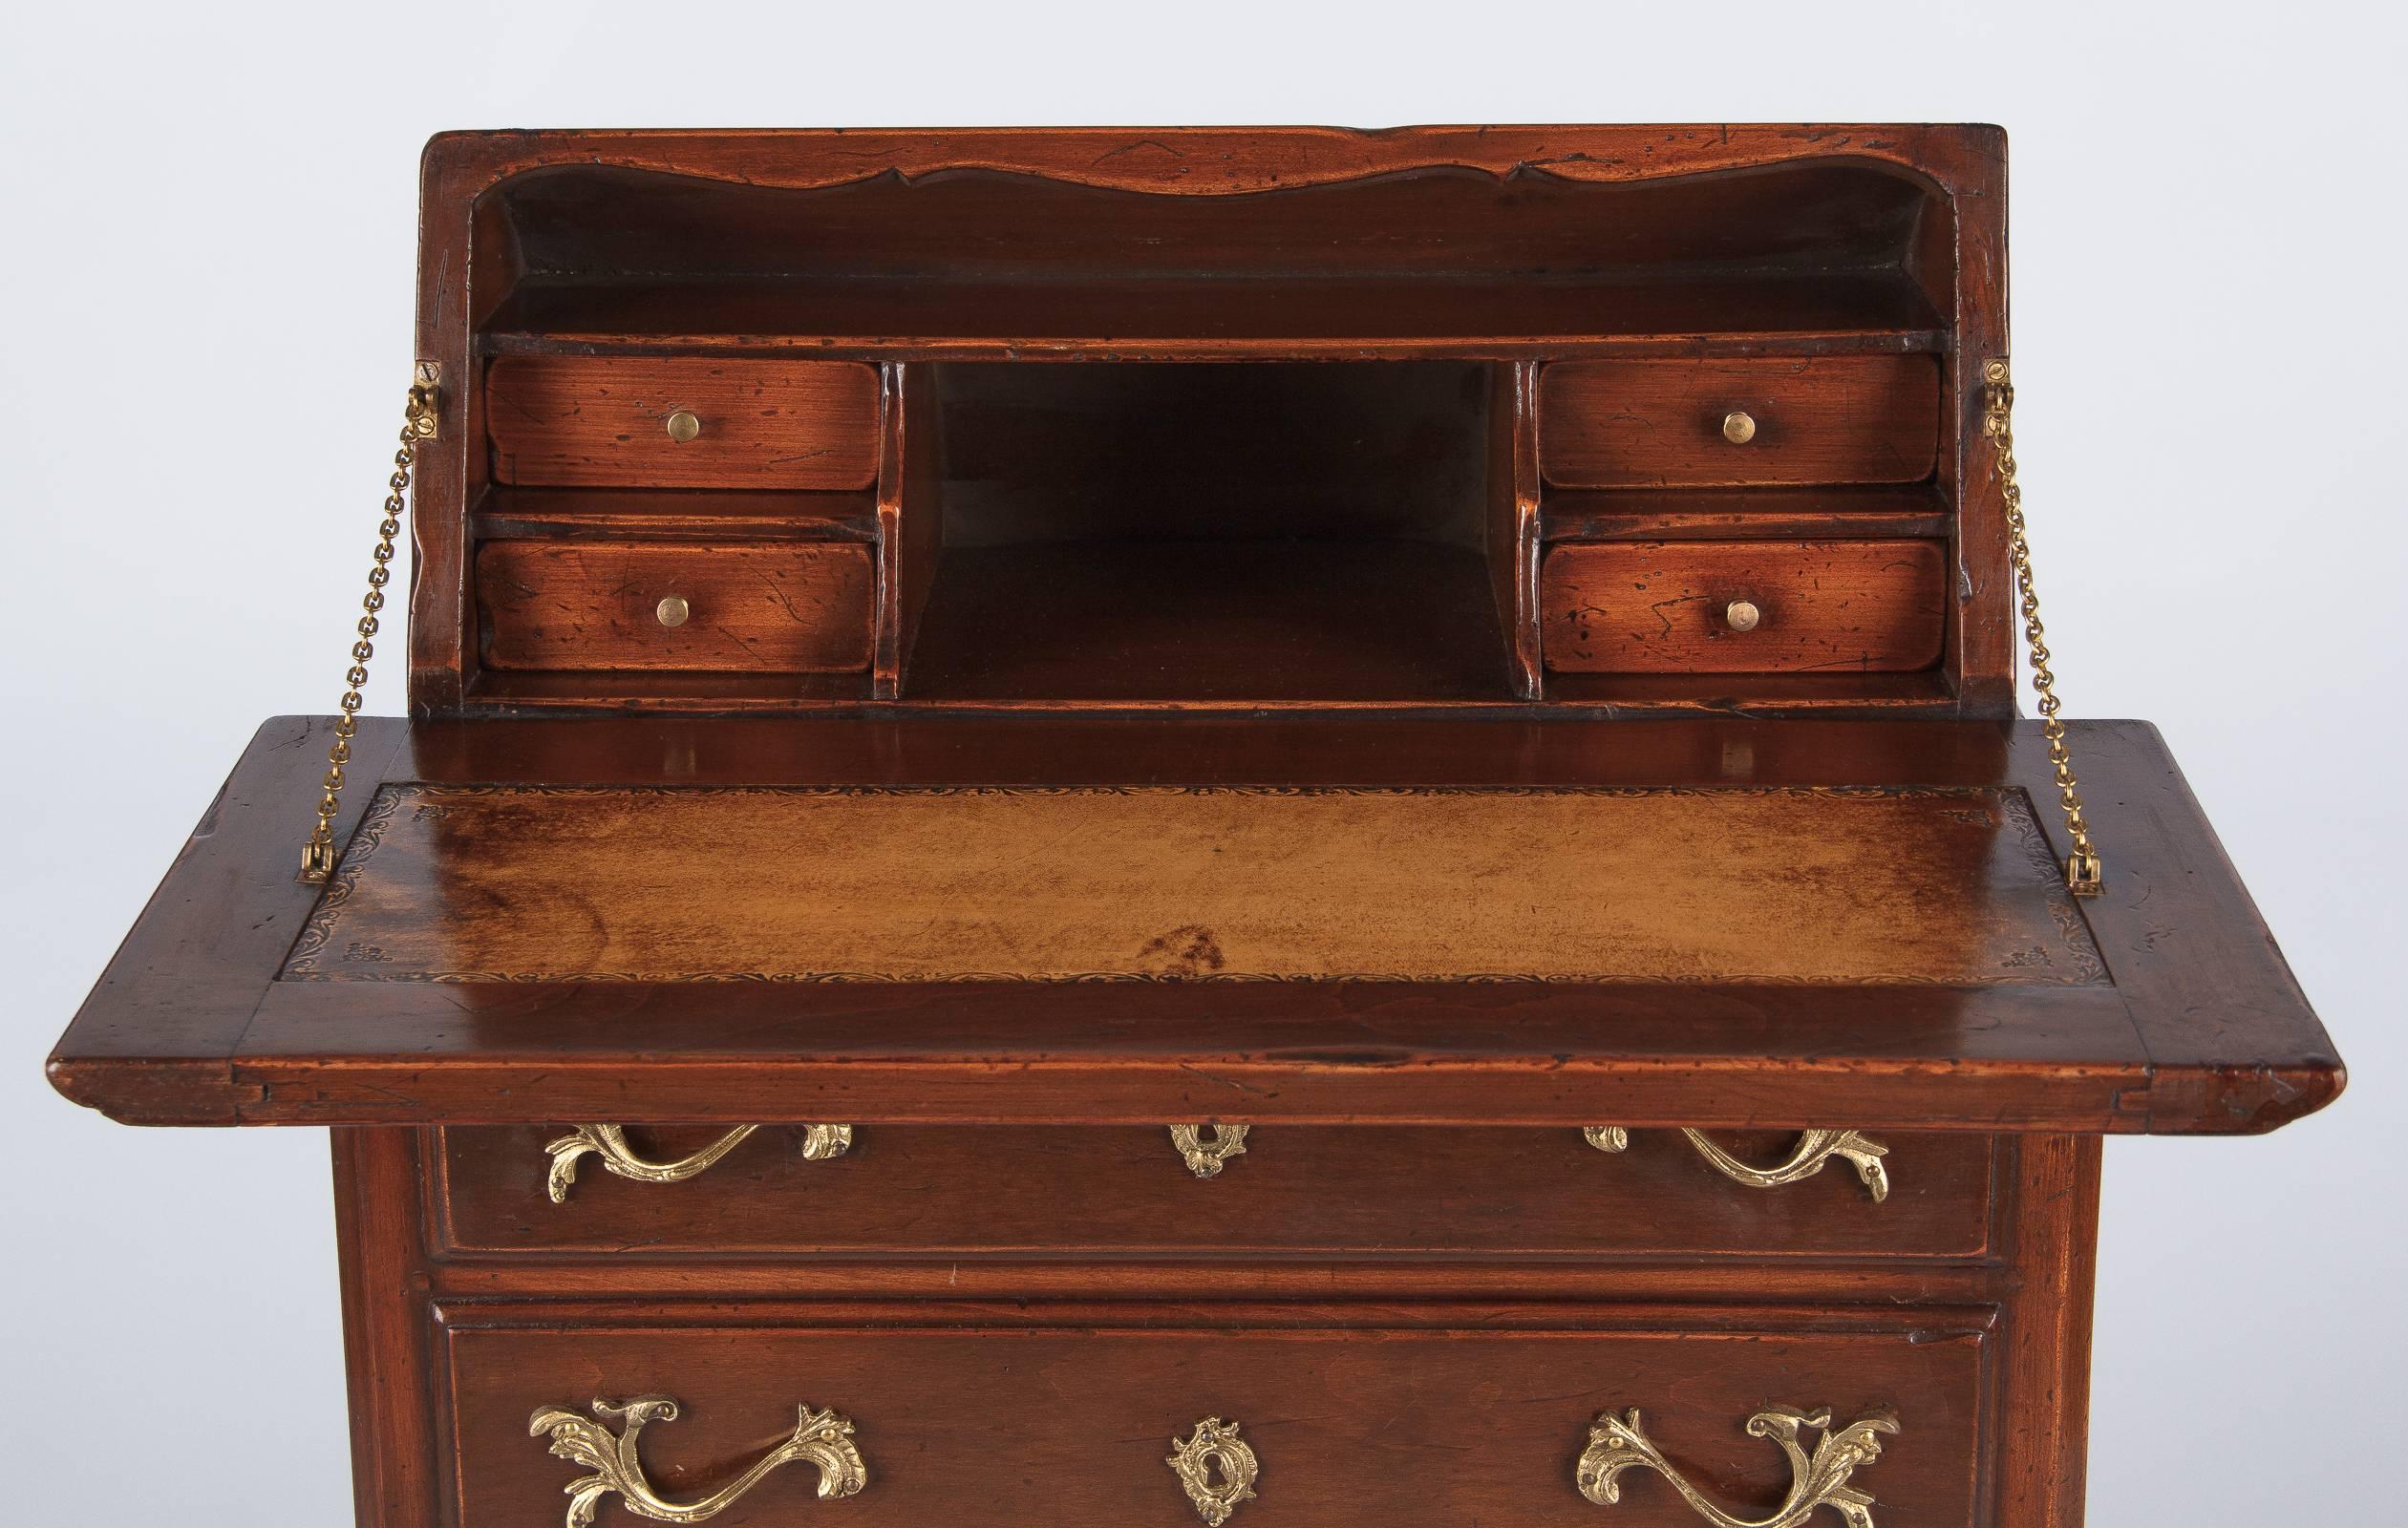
(897, 884)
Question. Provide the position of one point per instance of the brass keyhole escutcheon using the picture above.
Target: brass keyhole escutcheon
(1743, 615)
(672, 611)
(1738, 427)
(682, 426)
(1206, 1157)
(1216, 1469)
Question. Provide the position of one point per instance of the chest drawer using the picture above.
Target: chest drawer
(1083, 1192)
(1743, 607)
(1448, 1415)
(682, 422)
(1695, 424)
(783, 607)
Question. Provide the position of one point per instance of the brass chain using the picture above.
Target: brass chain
(417, 424)
(2082, 869)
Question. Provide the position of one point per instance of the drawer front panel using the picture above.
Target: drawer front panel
(1647, 608)
(1662, 424)
(1398, 1424)
(1303, 1191)
(635, 421)
(759, 607)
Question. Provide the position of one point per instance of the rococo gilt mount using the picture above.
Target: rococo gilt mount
(1286, 826)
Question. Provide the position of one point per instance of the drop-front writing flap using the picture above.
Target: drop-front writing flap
(1696, 923)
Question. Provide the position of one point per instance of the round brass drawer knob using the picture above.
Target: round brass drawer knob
(683, 426)
(672, 610)
(1738, 427)
(1743, 615)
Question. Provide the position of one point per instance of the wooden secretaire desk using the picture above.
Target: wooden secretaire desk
(1099, 827)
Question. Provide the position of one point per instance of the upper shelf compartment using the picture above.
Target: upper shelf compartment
(1813, 256)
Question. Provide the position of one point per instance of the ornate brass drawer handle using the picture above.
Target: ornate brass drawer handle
(1215, 1443)
(609, 1143)
(821, 1438)
(1616, 1443)
(1206, 1158)
(1813, 1150)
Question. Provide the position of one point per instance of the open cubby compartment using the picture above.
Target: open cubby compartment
(973, 263)
(1210, 533)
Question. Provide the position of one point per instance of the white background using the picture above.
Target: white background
(206, 268)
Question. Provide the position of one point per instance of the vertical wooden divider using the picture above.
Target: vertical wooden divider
(1985, 660)
(1513, 517)
(910, 517)
(2040, 1407)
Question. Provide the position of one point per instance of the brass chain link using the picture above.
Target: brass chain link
(2083, 871)
(417, 424)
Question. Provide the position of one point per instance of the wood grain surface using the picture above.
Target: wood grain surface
(1876, 607)
(1228, 621)
(601, 422)
(1358, 1194)
(1659, 424)
(716, 1326)
(775, 607)
(1353, 1422)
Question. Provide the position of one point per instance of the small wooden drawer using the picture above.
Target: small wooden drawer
(775, 607)
(1318, 1191)
(1427, 1415)
(682, 422)
(1654, 608)
(1684, 424)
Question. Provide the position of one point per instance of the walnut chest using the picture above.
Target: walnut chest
(1108, 828)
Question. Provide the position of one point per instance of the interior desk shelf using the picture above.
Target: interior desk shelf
(997, 262)
(1174, 318)
(669, 514)
(1223, 622)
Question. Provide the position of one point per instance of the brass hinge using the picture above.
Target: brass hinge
(422, 411)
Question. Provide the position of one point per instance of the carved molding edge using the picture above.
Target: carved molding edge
(821, 1438)
(1618, 1443)
(1812, 1151)
(609, 1143)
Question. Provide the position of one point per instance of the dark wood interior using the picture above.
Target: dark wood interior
(1294, 531)
(975, 254)
(1281, 458)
